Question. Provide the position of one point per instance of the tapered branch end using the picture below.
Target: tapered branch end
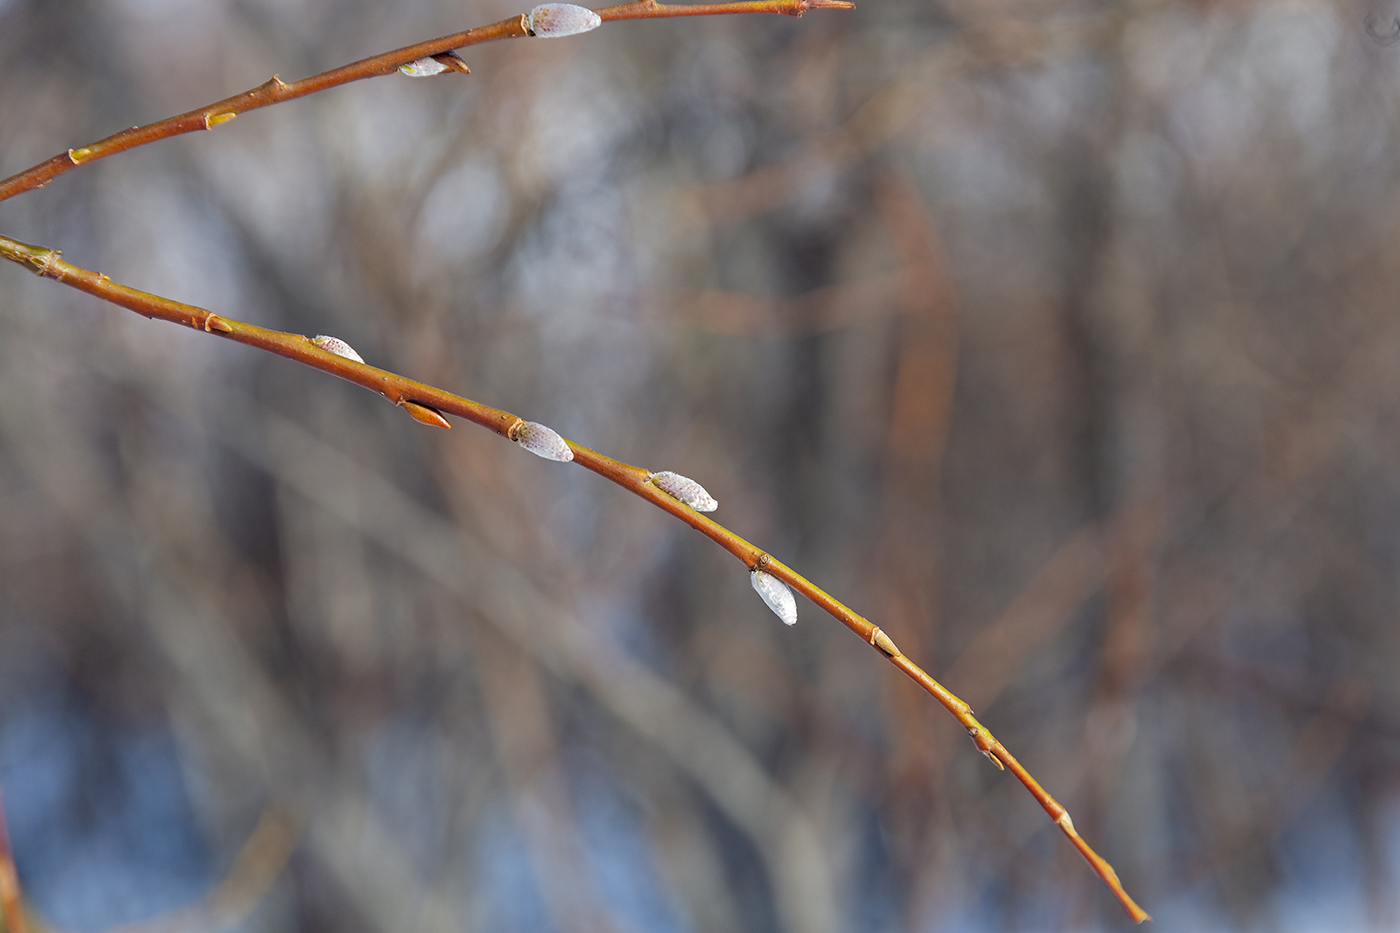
(829, 5)
(1101, 868)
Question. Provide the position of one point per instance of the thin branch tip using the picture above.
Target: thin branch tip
(830, 5)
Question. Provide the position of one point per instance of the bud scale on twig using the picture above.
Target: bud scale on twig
(435, 65)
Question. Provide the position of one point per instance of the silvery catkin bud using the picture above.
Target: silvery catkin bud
(423, 68)
(337, 346)
(553, 20)
(776, 595)
(543, 442)
(685, 489)
(435, 65)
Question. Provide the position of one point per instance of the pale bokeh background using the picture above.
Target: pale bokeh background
(1061, 338)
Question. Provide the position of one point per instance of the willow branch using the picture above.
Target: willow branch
(425, 403)
(276, 91)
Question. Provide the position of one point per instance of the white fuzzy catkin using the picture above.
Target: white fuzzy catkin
(685, 489)
(552, 20)
(776, 595)
(424, 68)
(337, 346)
(543, 442)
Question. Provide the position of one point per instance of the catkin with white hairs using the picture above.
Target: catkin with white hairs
(543, 442)
(554, 20)
(337, 346)
(685, 489)
(776, 595)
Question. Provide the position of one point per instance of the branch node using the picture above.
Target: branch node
(213, 120)
(984, 742)
(879, 639)
(1065, 823)
(215, 323)
(49, 268)
(79, 156)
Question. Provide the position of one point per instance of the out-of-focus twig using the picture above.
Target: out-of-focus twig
(527, 747)
(818, 311)
(424, 403)
(10, 906)
(259, 863)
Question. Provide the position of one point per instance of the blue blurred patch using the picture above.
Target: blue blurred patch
(100, 819)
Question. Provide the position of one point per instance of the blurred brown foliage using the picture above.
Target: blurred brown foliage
(1057, 337)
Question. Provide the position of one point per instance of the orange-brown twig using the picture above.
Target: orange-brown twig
(10, 906)
(424, 402)
(650, 9)
(276, 91)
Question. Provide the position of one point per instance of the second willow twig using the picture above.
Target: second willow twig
(425, 403)
(276, 91)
